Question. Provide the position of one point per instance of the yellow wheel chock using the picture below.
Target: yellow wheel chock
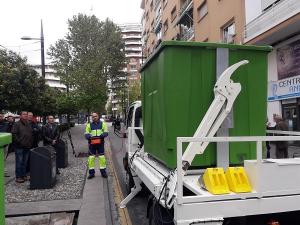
(238, 180)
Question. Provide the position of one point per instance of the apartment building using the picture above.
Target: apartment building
(277, 23)
(192, 20)
(50, 76)
(131, 35)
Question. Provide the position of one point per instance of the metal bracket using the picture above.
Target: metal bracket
(134, 191)
(226, 92)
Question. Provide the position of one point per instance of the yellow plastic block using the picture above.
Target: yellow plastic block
(238, 180)
(215, 181)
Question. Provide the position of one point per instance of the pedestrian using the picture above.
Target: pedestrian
(281, 146)
(95, 132)
(3, 124)
(35, 128)
(35, 137)
(10, 124)
(117, 124)
(268, 127)
(22, 141)
(50, 134)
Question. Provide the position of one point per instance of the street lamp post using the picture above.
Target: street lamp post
(41, 39)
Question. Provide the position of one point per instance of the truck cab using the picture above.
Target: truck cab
(134, 120)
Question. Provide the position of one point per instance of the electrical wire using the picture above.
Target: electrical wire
(18, 46)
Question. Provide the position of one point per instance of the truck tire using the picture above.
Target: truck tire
(158, 215)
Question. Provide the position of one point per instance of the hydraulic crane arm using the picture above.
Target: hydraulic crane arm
(226, 91)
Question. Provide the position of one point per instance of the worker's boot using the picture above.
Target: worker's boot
(103, 173)
(91, 176)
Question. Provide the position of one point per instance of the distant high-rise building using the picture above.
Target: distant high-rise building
(50, 77)
(131, 35)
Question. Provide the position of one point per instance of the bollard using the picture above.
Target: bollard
(5, 139)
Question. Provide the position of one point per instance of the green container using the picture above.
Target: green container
(5, 139)
(177, 90)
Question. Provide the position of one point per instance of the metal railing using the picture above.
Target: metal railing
(273, 16)
(188, 34)
(158, 21)
(259, 143)
(156, 4)
(184, 6)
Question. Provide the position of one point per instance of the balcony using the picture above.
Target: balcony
(187, 34)
(135, 36)
(156, 3)
(186, 6)
(135, 49)
(51, 77)
(157, 25)
(133, 55)
(273, 16)
(133, 43)
(158, 19)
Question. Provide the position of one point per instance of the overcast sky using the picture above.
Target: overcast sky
(22, 18)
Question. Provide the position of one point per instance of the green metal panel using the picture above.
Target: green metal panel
(177, 87)
(4, 140)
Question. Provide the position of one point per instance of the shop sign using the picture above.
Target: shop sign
(284, 89)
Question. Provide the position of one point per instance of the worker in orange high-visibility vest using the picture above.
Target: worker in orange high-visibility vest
(95, 132)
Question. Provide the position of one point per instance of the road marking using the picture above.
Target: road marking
(118, 195)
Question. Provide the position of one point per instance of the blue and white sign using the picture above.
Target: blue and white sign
(284, 89)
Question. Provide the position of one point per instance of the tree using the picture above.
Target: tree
(67, 103)
(134, 91)
(21, 88)
(62, 60)
(89, 55)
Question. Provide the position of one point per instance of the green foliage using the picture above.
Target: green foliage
(89, 55)
(21, 88)
(134, 91)
(67, 103)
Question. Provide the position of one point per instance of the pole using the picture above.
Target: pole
(43, 61)
(128, 86)
(42, 51)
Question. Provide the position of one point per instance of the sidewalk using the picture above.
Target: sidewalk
(89, 200)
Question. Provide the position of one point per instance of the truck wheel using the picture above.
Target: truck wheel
(158, 215)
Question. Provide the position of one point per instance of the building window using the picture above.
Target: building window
(173, 14)
(229, 33)
(166, 26)
(132, 67)
(202, 11)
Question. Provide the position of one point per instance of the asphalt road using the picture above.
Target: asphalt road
(137, 208)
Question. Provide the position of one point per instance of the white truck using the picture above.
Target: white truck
(177, 195)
